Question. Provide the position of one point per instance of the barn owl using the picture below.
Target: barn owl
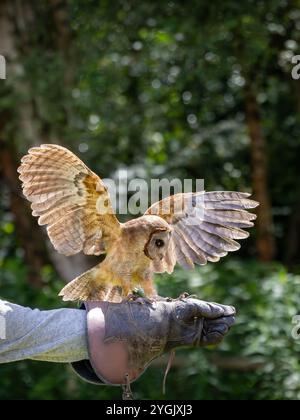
(74, 203)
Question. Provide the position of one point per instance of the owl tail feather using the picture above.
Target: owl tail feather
(92, 286)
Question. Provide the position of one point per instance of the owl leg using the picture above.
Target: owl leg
(149, 290)
(144, 293)
(138, 295)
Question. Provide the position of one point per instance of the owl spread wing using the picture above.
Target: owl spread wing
(68, 197)
(205, 224)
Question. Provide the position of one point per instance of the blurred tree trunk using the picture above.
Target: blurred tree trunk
(265, 239)
(292, 249)
(293, 235)
(30, 236)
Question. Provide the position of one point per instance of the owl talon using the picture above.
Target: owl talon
(131, 297)
(149, 301)
(184, 295)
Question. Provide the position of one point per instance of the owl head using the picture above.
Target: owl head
(149, 236)
(158, 237)
(158, 244)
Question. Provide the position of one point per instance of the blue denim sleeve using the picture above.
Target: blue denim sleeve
(57, 335)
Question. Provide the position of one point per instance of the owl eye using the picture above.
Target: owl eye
(159, 243)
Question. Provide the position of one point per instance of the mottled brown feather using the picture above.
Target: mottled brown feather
(68, 197)
(205, 224)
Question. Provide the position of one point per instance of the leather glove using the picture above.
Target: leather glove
(125, 337)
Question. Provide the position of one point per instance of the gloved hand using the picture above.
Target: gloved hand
(125, 337)
(198, 323)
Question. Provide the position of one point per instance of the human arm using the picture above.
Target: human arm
(57, 335)
(115, 338)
